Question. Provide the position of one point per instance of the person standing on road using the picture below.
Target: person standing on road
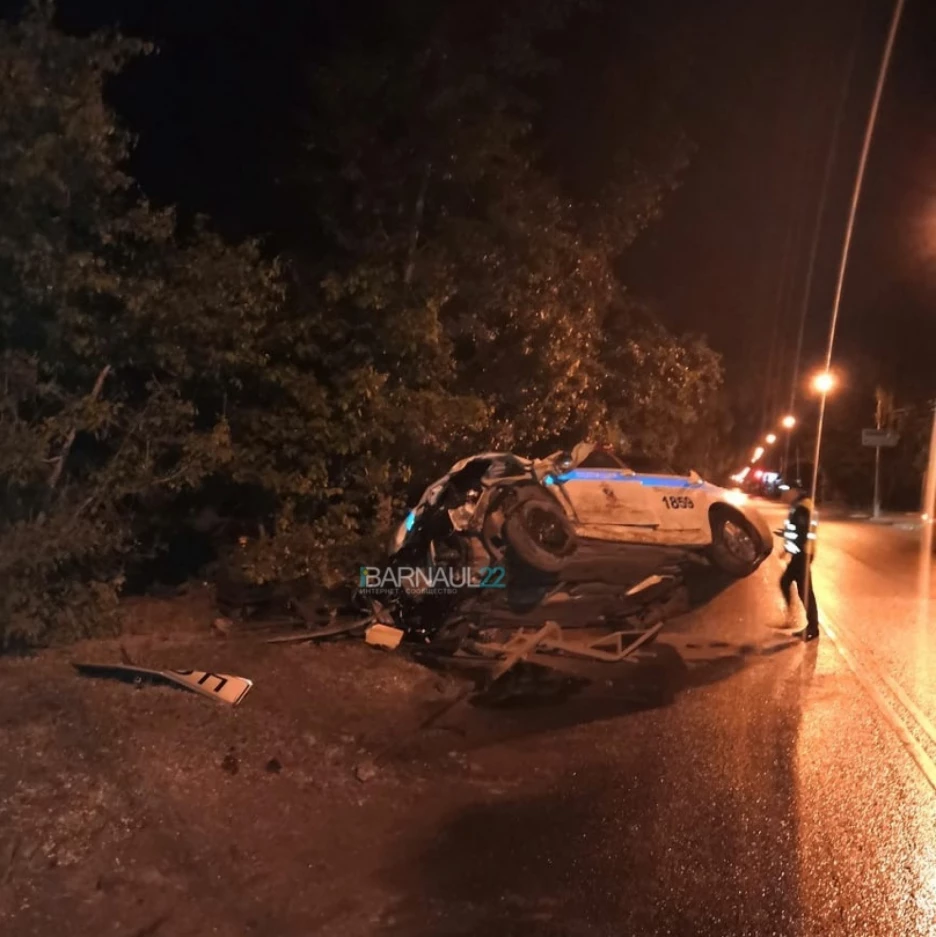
(799, 541)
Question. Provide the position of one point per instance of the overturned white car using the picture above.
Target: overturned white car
(577, 523)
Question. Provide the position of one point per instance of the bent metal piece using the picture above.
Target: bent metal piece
(318, 634)
(608, 648)
(222, 687)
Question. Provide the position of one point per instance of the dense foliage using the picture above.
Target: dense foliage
(158, 381)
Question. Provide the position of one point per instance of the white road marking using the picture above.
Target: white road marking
(922, 719)
(863, 674)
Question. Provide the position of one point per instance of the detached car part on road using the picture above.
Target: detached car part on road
(579, 537)
(221, 687)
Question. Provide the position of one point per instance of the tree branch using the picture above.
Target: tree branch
(418, 210)
(70, 439)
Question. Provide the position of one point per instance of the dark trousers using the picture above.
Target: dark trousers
(796, 573)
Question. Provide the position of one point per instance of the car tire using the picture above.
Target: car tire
(539, 534)
(734, 548)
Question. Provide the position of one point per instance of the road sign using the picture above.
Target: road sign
(879, 437)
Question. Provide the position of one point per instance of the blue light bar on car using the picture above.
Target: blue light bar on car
(598, 475)
(611, 475)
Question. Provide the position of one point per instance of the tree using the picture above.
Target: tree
(122, 341)
(463, 265)
(661, 390)
(454, 297)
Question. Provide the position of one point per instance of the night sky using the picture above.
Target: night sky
(755, 85)
(733, 249)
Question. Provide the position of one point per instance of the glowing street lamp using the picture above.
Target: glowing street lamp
(758, 452)
(788, 422)
(823, 382)
(771, 438)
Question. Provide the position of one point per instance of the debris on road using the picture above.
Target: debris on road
(7, 858)
(384, 636)
(229, 763)
(333, 631)
(218, 686)
(608, 648)
(222, 626)
(365, 771)
(321, 710)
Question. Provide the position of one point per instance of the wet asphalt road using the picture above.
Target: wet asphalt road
(735, 781)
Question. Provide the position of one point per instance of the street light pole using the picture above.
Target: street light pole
(788, 422)
(820, 212)
(878, 414)
(929, 490)
(850, 226)
(846, 243)
(876, 509)
(926, 540)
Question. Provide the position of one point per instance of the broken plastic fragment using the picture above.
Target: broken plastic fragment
(384, 636)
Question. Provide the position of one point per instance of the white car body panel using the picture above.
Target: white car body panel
(593, 498)
(622, 498)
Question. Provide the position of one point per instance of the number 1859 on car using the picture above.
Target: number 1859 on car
(675, 502)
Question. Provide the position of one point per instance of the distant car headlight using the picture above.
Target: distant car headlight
(736, 497)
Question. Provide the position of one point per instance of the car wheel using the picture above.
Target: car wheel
(539, 534)
(734, 547)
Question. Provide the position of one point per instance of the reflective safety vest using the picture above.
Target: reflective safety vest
(799, 529)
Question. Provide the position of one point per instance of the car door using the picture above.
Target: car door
(678, 501)
(601, 491)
